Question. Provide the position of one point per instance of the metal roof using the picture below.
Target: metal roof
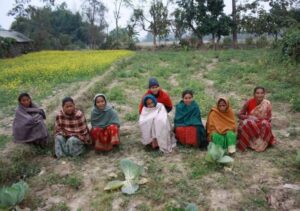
(19, 37)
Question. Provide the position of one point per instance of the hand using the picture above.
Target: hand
(252, 118)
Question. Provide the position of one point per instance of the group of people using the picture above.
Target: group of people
(72, 133)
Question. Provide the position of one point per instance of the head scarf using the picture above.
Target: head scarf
(105, 117)
(220, 122)
(149, 97)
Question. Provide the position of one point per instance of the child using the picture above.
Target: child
(71, 130)
(28, 125)
(220, 126)
(188, 124)
(105, 124)
(160, 95)
(155, 126)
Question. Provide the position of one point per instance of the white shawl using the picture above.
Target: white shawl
(154, 123)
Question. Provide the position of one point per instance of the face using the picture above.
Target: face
(25, 101)
(150, 103)
(187, 99)
(69, 108)
(222, 106)
(100, 103)
(154, 89)
(259, 95)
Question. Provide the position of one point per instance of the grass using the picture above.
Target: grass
(4, 140)
(183, 177)
(240, 71)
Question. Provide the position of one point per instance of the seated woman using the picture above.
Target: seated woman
(160, 95)
(105, 124)
(28, 125)
(155, 126)
(71, 130)
(255, 129)
(188, 124)
(220, 126)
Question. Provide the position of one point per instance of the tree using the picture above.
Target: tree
(20, 7)
(234, 24)
(94, 11)
(117, 9)
(159, 23)
(179, 25)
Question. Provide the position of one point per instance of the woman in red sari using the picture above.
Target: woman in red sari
(255, 129)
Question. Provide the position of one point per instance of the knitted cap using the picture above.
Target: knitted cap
(153, 82)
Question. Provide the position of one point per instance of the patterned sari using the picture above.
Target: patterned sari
(255, 129)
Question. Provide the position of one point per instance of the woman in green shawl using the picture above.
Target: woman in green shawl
(105, 124)
(188, 124)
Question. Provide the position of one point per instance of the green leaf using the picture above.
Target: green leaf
(298, 157)
(130, 187)
(113, 185)
(191, 207)
(131, 170)
(226, 159)
(215, 151)
(11, 196)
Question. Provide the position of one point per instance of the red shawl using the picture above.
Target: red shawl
(162, 97)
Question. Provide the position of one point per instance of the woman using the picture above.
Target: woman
(155, 126)
(105, 124)
(255, 130)
(220, 126)
(160, 95)
(188, 124)
(28, 125)
(71, 130)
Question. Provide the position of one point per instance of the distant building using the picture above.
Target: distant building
(20, 45)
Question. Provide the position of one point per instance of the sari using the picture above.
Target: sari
(105, 126)
(29, 125)
(188, 125)
(221, 127)
(155, 127)
(255, 129)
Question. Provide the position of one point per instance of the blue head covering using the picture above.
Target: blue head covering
(153, 82)
(149, 97)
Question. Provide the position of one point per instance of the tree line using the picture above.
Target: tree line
(56, 27)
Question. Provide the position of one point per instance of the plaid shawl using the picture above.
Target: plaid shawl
(72, 125)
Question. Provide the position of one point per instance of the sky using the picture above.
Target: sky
(75, 5)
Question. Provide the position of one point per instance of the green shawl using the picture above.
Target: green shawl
(190, 115)
(105, 117)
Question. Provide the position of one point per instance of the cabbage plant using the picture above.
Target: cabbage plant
(131, 171)
(216, 153)
(11, 196)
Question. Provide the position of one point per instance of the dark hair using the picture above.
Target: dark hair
(24, 94)
(187, 91)
(258, 87)
(67, 99)
(102, 96)
(221, 99)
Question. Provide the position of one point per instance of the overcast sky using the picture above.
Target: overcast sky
(75, 5)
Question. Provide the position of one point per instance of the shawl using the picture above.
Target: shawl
(149, 97)
(162, 97)
(28, 125)
(154, 123)
(105, 117)
(72, 125)
(260, 111)
(220, 122)
(187, 115)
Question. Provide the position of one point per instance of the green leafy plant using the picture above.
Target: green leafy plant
(132, 171)
(298, 157)
(215, 153)
(189, 207)
(11, 196)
